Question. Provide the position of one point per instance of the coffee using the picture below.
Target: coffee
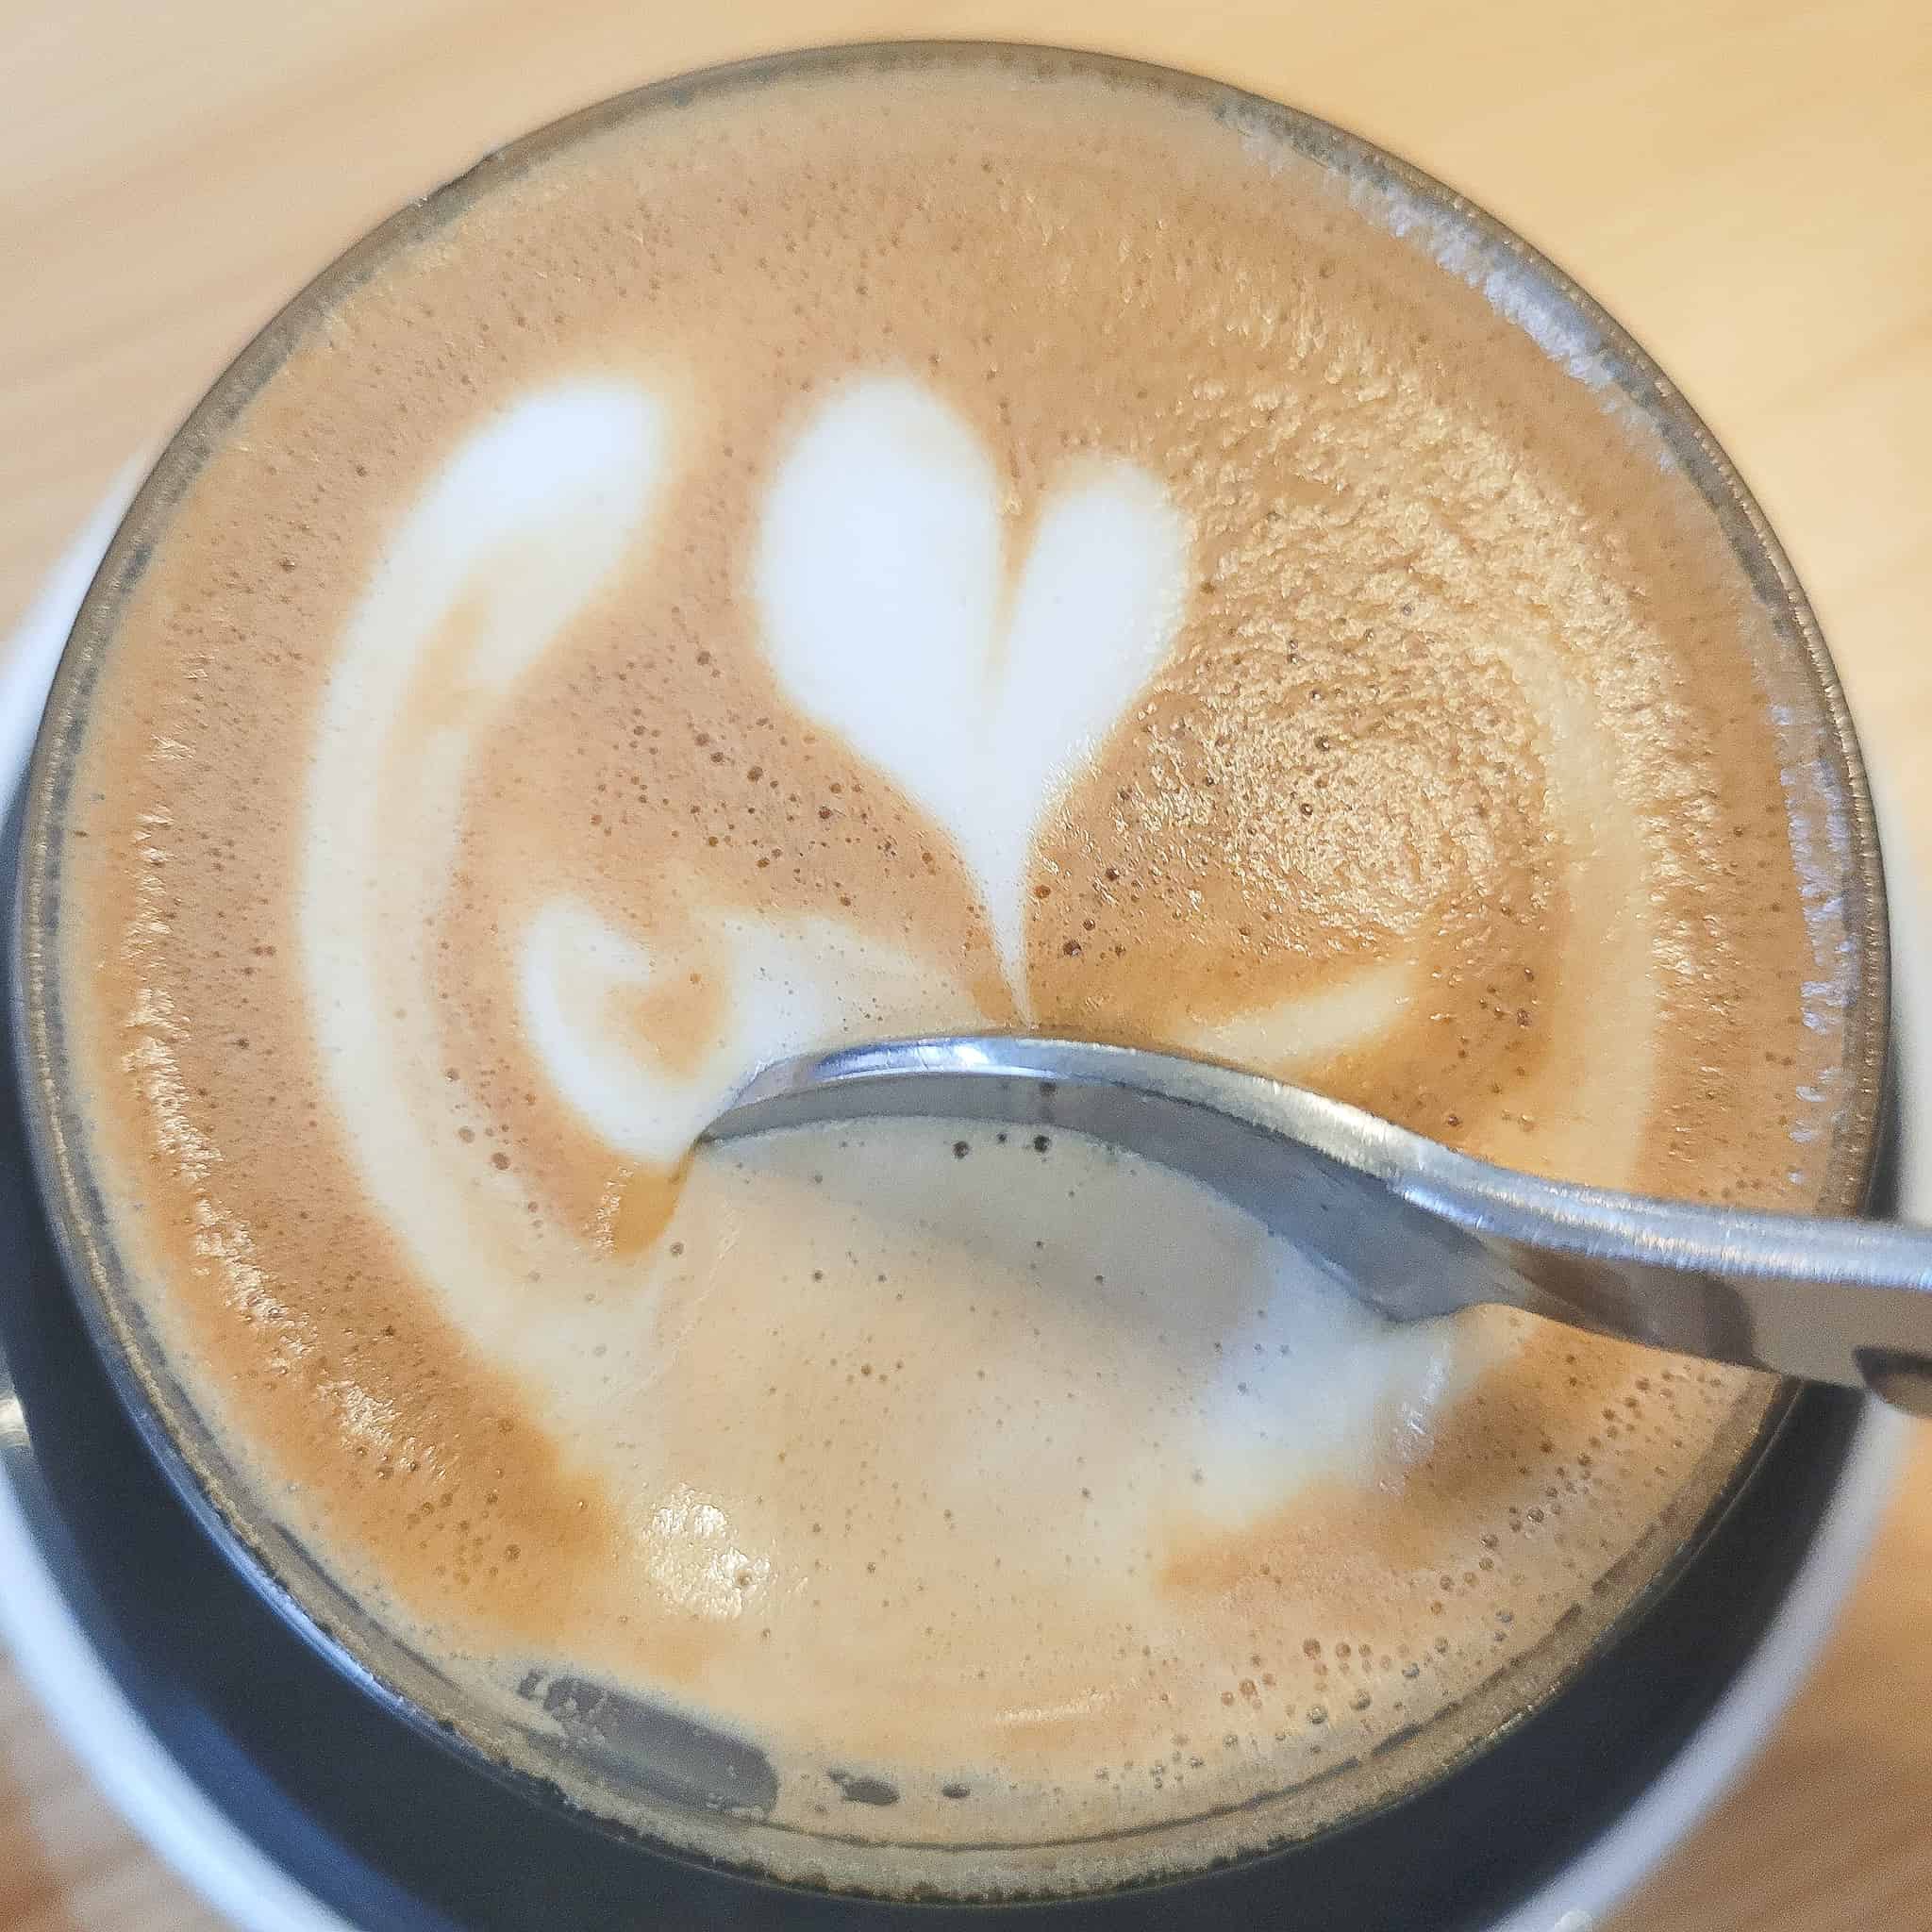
(956, 546)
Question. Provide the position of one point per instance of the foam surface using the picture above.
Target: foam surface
(912, 554)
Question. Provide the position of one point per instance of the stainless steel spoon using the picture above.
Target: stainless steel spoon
(1411, 1227)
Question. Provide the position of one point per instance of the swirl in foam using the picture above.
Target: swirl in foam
(1214, 660)
(888, 615)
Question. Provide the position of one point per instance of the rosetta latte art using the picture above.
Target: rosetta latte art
(890, 613)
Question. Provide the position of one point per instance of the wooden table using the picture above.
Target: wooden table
(1745, 182)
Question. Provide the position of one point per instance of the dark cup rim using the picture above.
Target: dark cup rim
(163, 1412)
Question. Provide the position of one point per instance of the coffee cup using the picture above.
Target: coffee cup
(311, 678)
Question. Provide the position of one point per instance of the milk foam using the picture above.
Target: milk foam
(1243, 1376)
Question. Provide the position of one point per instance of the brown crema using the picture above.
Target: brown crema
(1460, 697)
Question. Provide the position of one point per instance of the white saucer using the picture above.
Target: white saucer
(241, 1881)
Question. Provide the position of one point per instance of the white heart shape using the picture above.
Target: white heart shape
(881, 577)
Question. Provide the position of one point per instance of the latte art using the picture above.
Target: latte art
(887, 616)
(920, 554)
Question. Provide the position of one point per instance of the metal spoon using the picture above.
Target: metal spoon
(1411, 1227)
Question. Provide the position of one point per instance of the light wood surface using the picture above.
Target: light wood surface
(1746, 183)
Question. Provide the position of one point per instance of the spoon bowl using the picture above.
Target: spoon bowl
(1410, 1226)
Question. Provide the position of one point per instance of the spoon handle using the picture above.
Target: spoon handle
(1836, 1300)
